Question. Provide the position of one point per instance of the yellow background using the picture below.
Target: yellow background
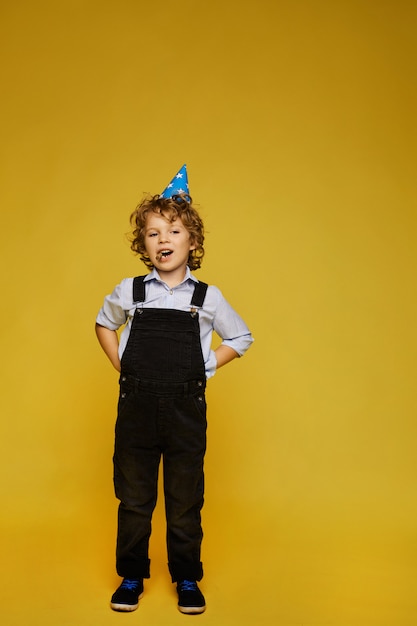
(297, 122)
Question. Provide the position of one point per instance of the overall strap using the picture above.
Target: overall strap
(197, 300)
(138, 289)
(199, 294)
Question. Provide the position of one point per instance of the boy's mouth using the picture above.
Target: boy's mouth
(163, 254)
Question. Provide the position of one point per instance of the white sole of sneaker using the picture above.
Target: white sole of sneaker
(192, 610)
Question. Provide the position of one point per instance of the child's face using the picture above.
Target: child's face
(167, 243)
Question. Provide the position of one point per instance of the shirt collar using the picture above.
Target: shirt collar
(153, 275)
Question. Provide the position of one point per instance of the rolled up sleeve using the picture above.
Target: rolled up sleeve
(114, 313)
(230, 326)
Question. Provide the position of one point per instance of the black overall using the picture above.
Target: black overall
(161, 411)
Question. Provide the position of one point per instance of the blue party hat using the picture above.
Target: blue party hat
(179, 184)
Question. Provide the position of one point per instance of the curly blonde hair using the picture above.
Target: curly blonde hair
(179, 206)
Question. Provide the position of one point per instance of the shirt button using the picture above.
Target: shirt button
(200, 384)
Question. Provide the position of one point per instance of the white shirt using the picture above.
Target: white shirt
(216, 314)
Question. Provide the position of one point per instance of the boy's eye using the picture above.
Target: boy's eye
(151, 234)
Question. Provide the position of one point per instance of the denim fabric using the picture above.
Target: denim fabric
(164, 345)
(161, 414)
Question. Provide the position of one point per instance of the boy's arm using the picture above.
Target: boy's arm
(224, 355)
(109, 341)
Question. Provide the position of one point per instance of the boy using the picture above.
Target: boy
(164, 358)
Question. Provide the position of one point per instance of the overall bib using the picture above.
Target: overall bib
(161, 411)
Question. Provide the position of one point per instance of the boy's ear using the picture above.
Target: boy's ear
(193, 244)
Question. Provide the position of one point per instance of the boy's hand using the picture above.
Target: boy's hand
(109, 341)
(224, 355)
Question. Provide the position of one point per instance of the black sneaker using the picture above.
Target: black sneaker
(190, 598)
(126, 597)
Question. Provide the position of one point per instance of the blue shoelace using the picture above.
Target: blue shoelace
(130, 584)
(188, 585)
